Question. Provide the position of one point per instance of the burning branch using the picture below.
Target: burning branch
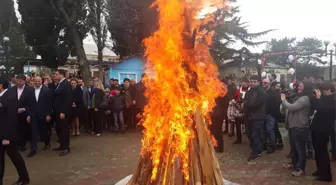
(177, 147)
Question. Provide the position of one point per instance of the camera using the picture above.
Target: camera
(290, 94)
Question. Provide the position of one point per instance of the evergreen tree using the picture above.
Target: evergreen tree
(18, 50)
(56, 29)
(280, 45)
(129, 22)
(7, 16)
(229, 30)
(310, 50)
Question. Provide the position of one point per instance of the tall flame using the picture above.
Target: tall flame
(185, 78)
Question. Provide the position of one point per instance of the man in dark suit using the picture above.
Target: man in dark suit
(9, 135)
(138, 97)
(23, 101)
(43, 97)
(62, 102)
(87, 106)
(48, 82)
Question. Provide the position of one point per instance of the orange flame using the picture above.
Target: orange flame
(185, 78)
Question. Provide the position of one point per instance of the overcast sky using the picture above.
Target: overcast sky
(291, 18)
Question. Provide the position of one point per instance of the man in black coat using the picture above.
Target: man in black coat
(23, 102)
(138, 96)
(85, 118)
(273, 102)
(322, 127)
(9, 135)
(254, 106)
(43, 98)
(62, 102)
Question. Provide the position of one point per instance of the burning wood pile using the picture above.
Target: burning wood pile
(177, 147)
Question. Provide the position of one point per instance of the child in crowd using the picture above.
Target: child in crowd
(107, 124)
(117, 106)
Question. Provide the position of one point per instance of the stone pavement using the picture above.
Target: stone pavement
(107, 159)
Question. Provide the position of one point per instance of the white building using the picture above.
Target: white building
(72, 65)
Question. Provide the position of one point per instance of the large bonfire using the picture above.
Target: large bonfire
(177, 147)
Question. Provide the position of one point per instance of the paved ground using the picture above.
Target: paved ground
(107, 159)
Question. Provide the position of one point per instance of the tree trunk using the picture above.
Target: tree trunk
(100, 44)
(84, 65)
(100, 64)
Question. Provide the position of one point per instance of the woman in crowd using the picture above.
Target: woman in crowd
(98, 107)
(77, 106)
(126, 92)
(298, 122)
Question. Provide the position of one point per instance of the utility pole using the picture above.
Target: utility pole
(331, 65)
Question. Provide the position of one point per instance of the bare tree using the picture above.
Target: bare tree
(97, 18)
(74, 13)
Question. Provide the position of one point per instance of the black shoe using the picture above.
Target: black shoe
(231, 135)
(46, 147)
(315, 174)
(21, 183)
(31, 154)
(64, 152)
(290, 155)
(56, 149)
(270, 150)
(323, 179)
(237, 142)
(251, 158)
(279, 145)
(310, 155)
(225, 132)
(219, 150)
(333, 159)
(22, 149)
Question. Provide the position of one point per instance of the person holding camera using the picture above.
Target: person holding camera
(322, 127)
(298, 120)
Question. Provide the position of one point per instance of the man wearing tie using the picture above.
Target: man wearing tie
(43, 97)
(23, 101)
(84, 119)
(62, 103)
(9, 135)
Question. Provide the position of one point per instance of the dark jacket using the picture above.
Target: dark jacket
(44, 103)
(118, 103)
(27, 100)
(62, 98)
(273, 103)
(77, 97)
(255, 104)
(12, 104)
(97, 98)
(52, 86)
(7, 130)
(139, 97)
(220, 108)
(324, 117)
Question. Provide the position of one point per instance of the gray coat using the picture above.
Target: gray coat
(298, 112)
(86, 97)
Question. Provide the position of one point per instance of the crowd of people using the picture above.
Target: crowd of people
(255, 108)
(30, 106)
